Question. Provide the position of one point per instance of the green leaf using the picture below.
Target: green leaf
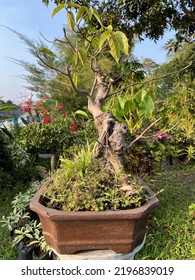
(139, 96)
(149, 106)
(104, 36)
(123, 42)
(24, 121)
(114, 48)
(75, 79)
(7, 132)
(96, 15)
(80, 13)
(46, 51)
(109, 28)
(82, 56)
(90, 12)
(57, 9)
(82, 113)
(95, 43)
(72, 4)
(70, 20)
(129, 106)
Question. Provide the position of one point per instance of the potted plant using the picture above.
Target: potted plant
(113, 207)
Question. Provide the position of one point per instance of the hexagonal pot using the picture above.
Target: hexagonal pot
(68, 232)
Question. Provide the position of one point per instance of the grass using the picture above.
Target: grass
(171, 233)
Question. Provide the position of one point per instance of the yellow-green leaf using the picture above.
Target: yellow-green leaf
(104, 36)
(82, 10)
(72, 4)
(90, 12)
(75, 79)
(46, 51)
(123, 42)
(70, 20)
(82, 113)
(82, 56)
(57, 9)
(109, 28)
(114, 48)
(96, 15)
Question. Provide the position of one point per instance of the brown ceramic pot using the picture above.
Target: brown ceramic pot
(68, 232)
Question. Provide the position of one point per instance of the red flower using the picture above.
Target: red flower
(66, 113)
(32, 88)
(44, 112)
(46, 120)
(44, 97)
(38, 104)
(28, 101)
(73, 126)
(60, 107)
(26, 108)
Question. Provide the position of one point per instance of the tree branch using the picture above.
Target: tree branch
(50, 66)
(151, 80)
(78, 91)
(141, 135)
(93, 87)
(188, 13)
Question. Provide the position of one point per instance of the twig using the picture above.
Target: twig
(50, 66)
(151, 80)
(141, 135)
(167, 130)
(93, 87)
(78, 91)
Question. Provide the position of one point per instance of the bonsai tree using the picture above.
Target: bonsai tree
(95, 42)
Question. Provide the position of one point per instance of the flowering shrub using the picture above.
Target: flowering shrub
(47, 131)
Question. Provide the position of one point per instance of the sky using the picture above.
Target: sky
(30, 17)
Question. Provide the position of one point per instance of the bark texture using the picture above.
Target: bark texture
(111, 141)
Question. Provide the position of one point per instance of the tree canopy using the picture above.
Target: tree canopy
(145, 18)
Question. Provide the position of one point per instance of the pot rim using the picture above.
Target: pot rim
(54, 214)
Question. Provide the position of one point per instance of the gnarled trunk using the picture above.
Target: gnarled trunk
(111, 141)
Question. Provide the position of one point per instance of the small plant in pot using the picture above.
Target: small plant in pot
(101, 206)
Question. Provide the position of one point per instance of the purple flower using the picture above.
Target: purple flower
(160, 135)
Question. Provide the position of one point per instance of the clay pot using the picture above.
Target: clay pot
(68, 232)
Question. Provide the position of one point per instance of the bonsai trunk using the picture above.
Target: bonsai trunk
(111, 141)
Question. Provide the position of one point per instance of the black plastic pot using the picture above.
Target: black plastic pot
(38, 254)
(25, 252)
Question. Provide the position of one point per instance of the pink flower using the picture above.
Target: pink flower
(44, 97)
(160, 135)
(66, 113)
(60, 107)
(46, 120)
